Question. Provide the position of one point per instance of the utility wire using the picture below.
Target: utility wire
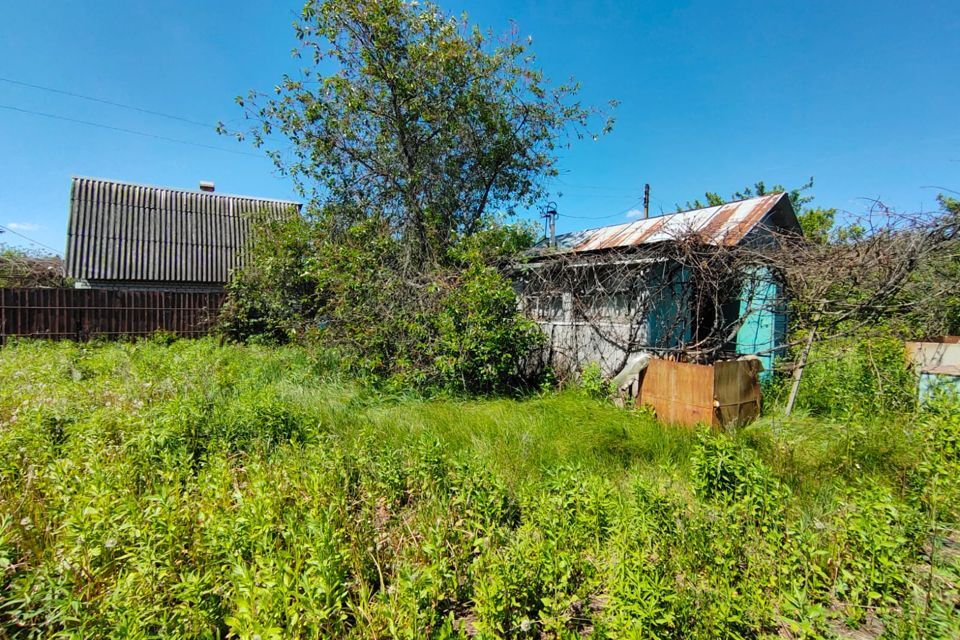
(17, 233)
(130, 131)
(591, 187)
(205, 125)
(613, 215)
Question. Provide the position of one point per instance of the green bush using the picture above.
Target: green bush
(862, 377)
(481, 340)
(453, 326)
(593, 383)
(272, 300)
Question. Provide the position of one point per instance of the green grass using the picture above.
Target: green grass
(197, 491)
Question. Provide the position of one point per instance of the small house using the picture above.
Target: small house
(684, 286)
(131, 236)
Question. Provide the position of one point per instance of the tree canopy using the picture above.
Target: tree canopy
(405, 114)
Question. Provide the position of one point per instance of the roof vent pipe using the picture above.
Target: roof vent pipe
(208, 186)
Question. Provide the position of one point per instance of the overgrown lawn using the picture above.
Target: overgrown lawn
(197, 491)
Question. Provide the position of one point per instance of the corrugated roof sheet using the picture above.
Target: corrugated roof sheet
(726, 224)
(122, 231)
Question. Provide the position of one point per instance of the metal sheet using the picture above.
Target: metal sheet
(678, 393)
(719, 394)
(725, 224)
(134, 233)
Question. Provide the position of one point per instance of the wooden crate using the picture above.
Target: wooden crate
(720, 394)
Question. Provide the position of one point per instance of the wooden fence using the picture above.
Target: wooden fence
(81, 314)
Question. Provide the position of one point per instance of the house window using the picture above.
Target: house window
(606, 306)
(620, 305)
(546, 307)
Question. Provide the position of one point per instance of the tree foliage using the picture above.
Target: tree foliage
(453, 327)
(416, 118)
(415, 135)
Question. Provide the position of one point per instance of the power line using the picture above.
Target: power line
(130, 131)
(613, 215)
(592, 187)
(17, 233)
(205, 125)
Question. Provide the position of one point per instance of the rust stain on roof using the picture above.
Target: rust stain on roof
(725, 224)
(751, 219)
(716, 222)
(625, 235)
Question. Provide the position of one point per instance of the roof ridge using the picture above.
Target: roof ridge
(673, 213)
(181, 190)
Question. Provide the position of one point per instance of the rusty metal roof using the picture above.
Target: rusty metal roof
(726, 225)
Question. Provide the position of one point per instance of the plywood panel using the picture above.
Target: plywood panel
(678, 392)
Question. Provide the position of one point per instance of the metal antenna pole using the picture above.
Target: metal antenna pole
(550, 223)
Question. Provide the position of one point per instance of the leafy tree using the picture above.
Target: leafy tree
(415, 135)
(416, 118)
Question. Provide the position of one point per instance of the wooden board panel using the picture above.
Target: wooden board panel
(679, 393)
(737, 391)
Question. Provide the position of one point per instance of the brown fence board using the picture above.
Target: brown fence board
(718, 394)
(81, 314)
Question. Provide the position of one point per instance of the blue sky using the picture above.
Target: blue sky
(714, 95)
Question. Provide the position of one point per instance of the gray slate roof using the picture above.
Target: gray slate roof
(137, 233)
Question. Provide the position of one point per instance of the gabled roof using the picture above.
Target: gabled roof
(130, 232)
(727, 224)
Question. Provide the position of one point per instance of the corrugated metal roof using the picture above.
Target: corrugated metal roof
(726, 224)
(131, 232)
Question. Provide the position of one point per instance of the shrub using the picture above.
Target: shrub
(863, 377)
(481, 340)
(593, 383)
(724, 470)
(453, 326)
(272, 299)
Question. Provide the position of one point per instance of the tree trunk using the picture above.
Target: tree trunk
(798, 371)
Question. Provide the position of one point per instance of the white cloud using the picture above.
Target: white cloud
(634, 213)
(24, 226)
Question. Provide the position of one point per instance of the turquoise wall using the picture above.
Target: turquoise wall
(764, 329)
(668, 324)
(934, 384)
(762, 333)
